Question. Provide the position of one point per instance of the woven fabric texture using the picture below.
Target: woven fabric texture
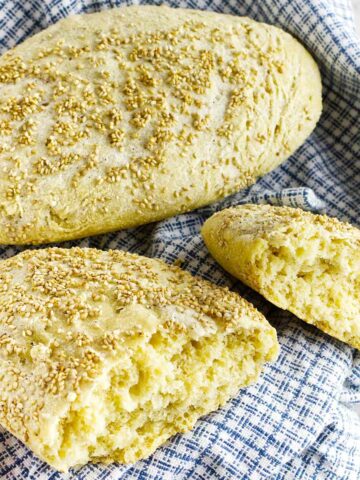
(296, 421)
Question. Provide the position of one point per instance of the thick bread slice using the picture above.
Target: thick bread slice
(305, 263)
(131, 115)
(105, 355)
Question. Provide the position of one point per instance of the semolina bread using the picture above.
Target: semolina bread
(105, 355)
(127, 116)
(305, 263)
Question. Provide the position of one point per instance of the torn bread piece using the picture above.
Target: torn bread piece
(106, 355)
(305, 263)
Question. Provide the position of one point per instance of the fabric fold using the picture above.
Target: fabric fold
(293, 423)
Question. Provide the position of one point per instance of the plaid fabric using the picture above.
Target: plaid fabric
(295, 422)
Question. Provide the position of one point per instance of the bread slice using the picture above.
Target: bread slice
(305, 263)
(106, 355)
(131, 115)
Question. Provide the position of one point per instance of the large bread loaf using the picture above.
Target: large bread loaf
(131, 115)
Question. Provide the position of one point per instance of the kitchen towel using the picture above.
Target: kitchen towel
(297, 421)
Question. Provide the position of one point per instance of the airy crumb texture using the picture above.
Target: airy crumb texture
(305, 263)
(131, 115)
(105, 355)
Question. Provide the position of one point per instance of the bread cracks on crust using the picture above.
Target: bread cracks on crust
(106, 355)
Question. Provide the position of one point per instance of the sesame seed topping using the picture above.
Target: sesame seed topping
(150, 99)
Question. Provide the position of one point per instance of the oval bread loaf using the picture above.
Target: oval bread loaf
(105, 355)
(119, 118)
(305, 263)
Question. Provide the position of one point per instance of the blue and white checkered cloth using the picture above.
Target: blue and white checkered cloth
(295, 423)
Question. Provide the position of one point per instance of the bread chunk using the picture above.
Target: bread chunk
(305, 263)
(119, 118)
(106, 355)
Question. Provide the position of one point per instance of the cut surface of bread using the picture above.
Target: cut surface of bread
(106, 355)
(131, 115)
(305, 263)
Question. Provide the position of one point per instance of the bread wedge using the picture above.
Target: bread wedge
(305, 263)
(106, 355)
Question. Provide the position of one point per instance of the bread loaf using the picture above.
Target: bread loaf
(305, 263)
(105, 355)
(115, 119)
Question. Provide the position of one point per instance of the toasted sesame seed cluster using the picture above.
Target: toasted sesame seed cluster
(123, 117)
(305, 263)
(105, 355)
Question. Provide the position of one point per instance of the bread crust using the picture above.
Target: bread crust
(105, 355)
(128, 116)
(302, 262)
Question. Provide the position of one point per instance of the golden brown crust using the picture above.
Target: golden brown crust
(128, 116)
